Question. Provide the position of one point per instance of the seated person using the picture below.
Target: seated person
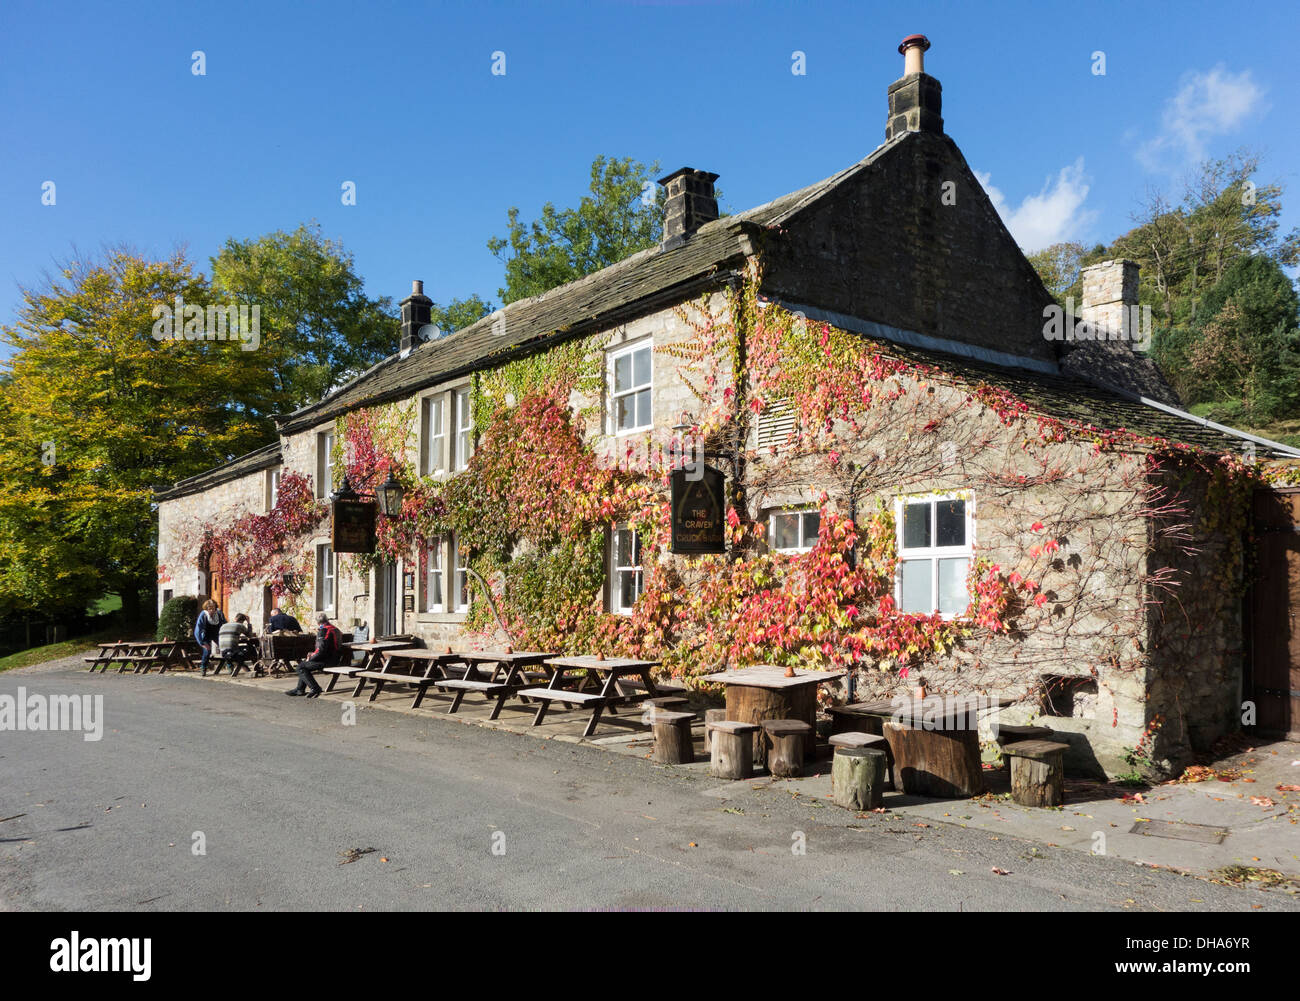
(328, 643)
(282, 621)
(235, 640)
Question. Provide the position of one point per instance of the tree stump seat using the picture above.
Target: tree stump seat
(857, 776)
(731, 748)
(672, 703)
(1037, 772)
(784, 741)
(869, 740)
(1014, 734)
(673, 740)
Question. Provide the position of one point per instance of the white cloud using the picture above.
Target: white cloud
(1206, 105)
(1053, 215)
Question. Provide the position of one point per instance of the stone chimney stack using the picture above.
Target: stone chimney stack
(417, 311)
(1109, 289)
(916, 99)
(691, 203)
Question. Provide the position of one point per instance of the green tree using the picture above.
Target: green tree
(318, 327)
(94, 412)
(622, 214)
(459, 313)
(1058, 267)
(1242, 357)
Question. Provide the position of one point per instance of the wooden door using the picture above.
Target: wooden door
(1272, 640)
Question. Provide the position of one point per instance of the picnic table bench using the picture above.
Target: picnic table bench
(141, 655)
(420, 668)
(507, 676)
(280, 652)
(369, 651)
(610, 695)
(107, 654)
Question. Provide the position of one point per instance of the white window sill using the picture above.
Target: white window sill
(434, 617)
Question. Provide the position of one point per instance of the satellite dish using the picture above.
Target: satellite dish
(429, 332)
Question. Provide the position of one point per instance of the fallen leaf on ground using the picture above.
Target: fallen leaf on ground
(1263, 801)
(1282, 788)
(1000, 872)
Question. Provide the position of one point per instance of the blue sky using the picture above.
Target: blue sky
(400, 99)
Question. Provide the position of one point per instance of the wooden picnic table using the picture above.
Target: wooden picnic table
(370, 651)
(281, 652)
(764, 692)
(141, 655)
(507, 674)
(107, 654)
(403, 667)
(609, 696)
(934, 741)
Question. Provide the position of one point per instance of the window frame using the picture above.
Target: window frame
(440, 548)
(457, 572)
(804, 545)
(435, 446)
(616, 570)
(326, 571)
(934, 553)
(324, 464)
(462, 437)
(613, 395)
(273, 477)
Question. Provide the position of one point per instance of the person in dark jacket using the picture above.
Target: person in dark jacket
(281, 621)
(207, 630)
(328, 641)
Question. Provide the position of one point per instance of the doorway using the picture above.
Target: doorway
(386, 599)
(1272, 642)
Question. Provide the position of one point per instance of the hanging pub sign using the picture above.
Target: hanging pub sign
(352, 526)
(699, 511)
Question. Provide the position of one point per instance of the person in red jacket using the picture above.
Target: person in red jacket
(328, 643)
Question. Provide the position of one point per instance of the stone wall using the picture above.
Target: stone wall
(181, 523)
(914, 242)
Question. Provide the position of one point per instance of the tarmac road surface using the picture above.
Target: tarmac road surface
(279, 794)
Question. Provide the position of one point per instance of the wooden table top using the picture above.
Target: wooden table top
(378, 645)
(591, 663)
(501, 656)
(418, 653)
(771, 676)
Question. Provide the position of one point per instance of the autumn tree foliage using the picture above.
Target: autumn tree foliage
(94, 413)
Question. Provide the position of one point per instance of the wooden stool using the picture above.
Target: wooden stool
(731, 748)
(857, 777)
(871, 740)
(1037, 772)
(1014, 734)
(673, 744)
(673, 703)
(785, 740)
(717, 716)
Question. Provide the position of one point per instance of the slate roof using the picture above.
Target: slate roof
(265, 457)
(656, 278)
(639, 284)
(1067, 398)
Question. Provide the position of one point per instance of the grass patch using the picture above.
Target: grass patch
(40, 654)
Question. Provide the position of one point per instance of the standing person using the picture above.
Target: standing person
(207, 630)
(328, 643)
